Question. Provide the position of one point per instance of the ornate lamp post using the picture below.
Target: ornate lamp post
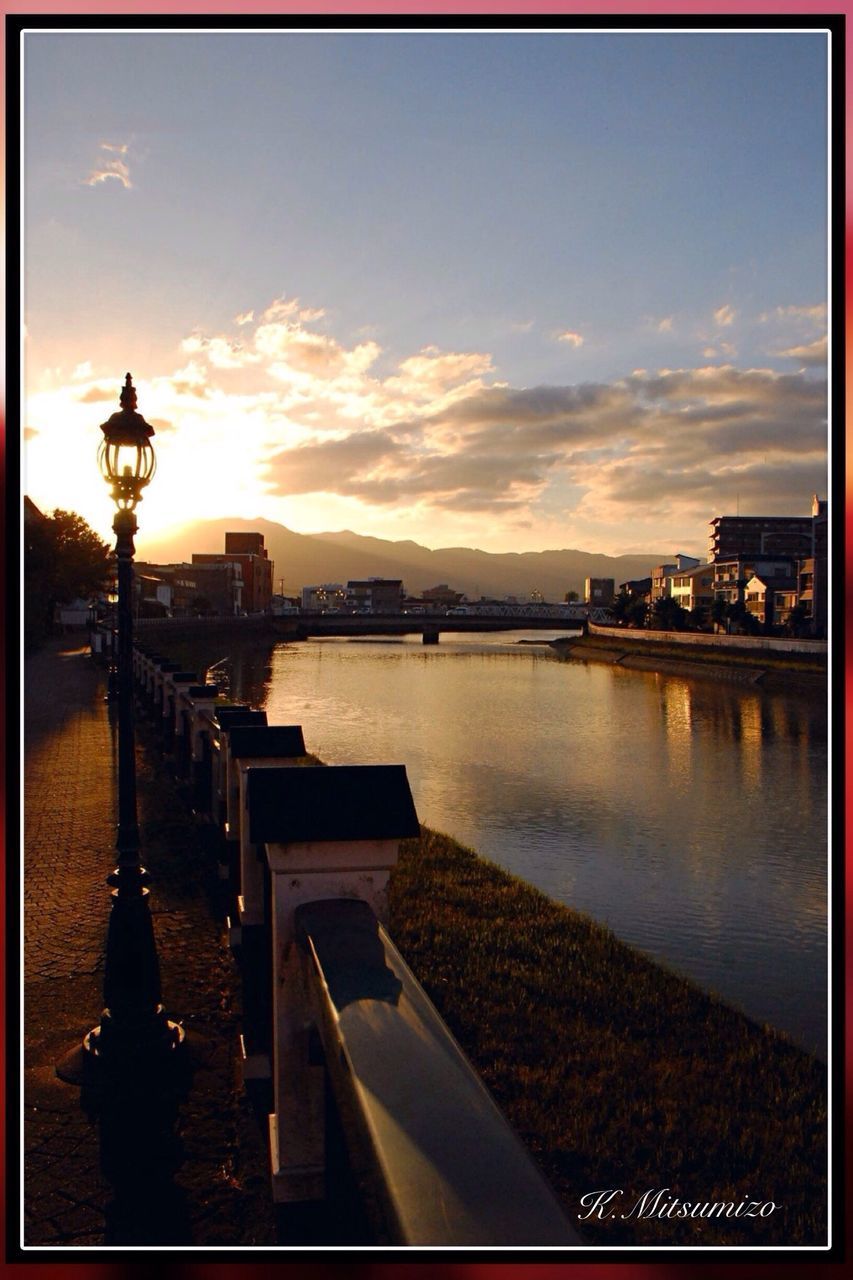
(134, 1031)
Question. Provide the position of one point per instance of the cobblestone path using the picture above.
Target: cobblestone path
(69, 833)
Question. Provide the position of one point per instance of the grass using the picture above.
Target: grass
(616, 1072)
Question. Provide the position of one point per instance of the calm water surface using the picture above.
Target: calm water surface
(689, 815)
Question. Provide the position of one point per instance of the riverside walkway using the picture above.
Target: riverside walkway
(217, 1189)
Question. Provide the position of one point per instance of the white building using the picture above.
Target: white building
(329, 597)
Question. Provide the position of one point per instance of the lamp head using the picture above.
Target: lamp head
(126, 456)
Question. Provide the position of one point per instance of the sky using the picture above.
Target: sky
(513, 291)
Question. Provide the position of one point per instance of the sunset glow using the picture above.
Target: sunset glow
(338, 315)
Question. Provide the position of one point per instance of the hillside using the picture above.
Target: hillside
(301, 559)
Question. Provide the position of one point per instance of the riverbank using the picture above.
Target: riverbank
(780, 671)
(616, 1072)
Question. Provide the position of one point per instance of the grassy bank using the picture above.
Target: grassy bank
(772, 670)
(615, 1072)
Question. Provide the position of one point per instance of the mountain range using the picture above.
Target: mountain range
(303, 559)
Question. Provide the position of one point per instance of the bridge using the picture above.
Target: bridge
(303, 625)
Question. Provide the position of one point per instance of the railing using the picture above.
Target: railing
(328, 999)
(438, 1161)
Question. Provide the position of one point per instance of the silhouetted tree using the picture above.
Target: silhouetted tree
(718, 611)
(740, 621)
(64, 560)
(638, 612)
(797, 619)
(620, 606)
(668, 615)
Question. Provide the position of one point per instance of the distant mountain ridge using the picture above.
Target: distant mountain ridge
(302, 559)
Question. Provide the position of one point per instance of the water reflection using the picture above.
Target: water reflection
(690, 815)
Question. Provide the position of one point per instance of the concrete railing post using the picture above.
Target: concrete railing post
(174, 682)
(329, 833)
(202, 702)
(231, 718)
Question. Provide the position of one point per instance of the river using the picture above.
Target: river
(689, 815)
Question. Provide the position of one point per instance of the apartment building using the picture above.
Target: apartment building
(662, 575)
(375, 595)
(759, 537)
(694, 588)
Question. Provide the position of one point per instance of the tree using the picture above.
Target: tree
(638, 612)
(621, 605)
(797, 619)
(739, 620)
(82, 558)
(719, 611)
(668, 615)
(64, 560)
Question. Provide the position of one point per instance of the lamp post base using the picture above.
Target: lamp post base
(106, 1052)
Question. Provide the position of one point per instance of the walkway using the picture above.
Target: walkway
(222, 1183)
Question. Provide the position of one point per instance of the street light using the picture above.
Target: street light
(134, 1031)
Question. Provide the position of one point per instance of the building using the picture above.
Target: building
(637, 588)
(375, 595)
(694, 588)
(745, 537)
(440, 598)
(661, 575)
(187, 590)
(329, 597)
(731, 576)
(598, 591)
(812, 572)
(770, 598)
(283, 605)
(247, 550)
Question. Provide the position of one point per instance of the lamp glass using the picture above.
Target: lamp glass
(127, 468)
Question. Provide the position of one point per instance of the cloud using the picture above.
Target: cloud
(811, 353)
(668, 443)
(573, 339)
(112, 166)
(817, 312)
(305, 413)
(245, 317)
(722, 349)
(281, 309)
(665, 325)
(97, 394)
(725, 316)
(433, 373)
(221, 352)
